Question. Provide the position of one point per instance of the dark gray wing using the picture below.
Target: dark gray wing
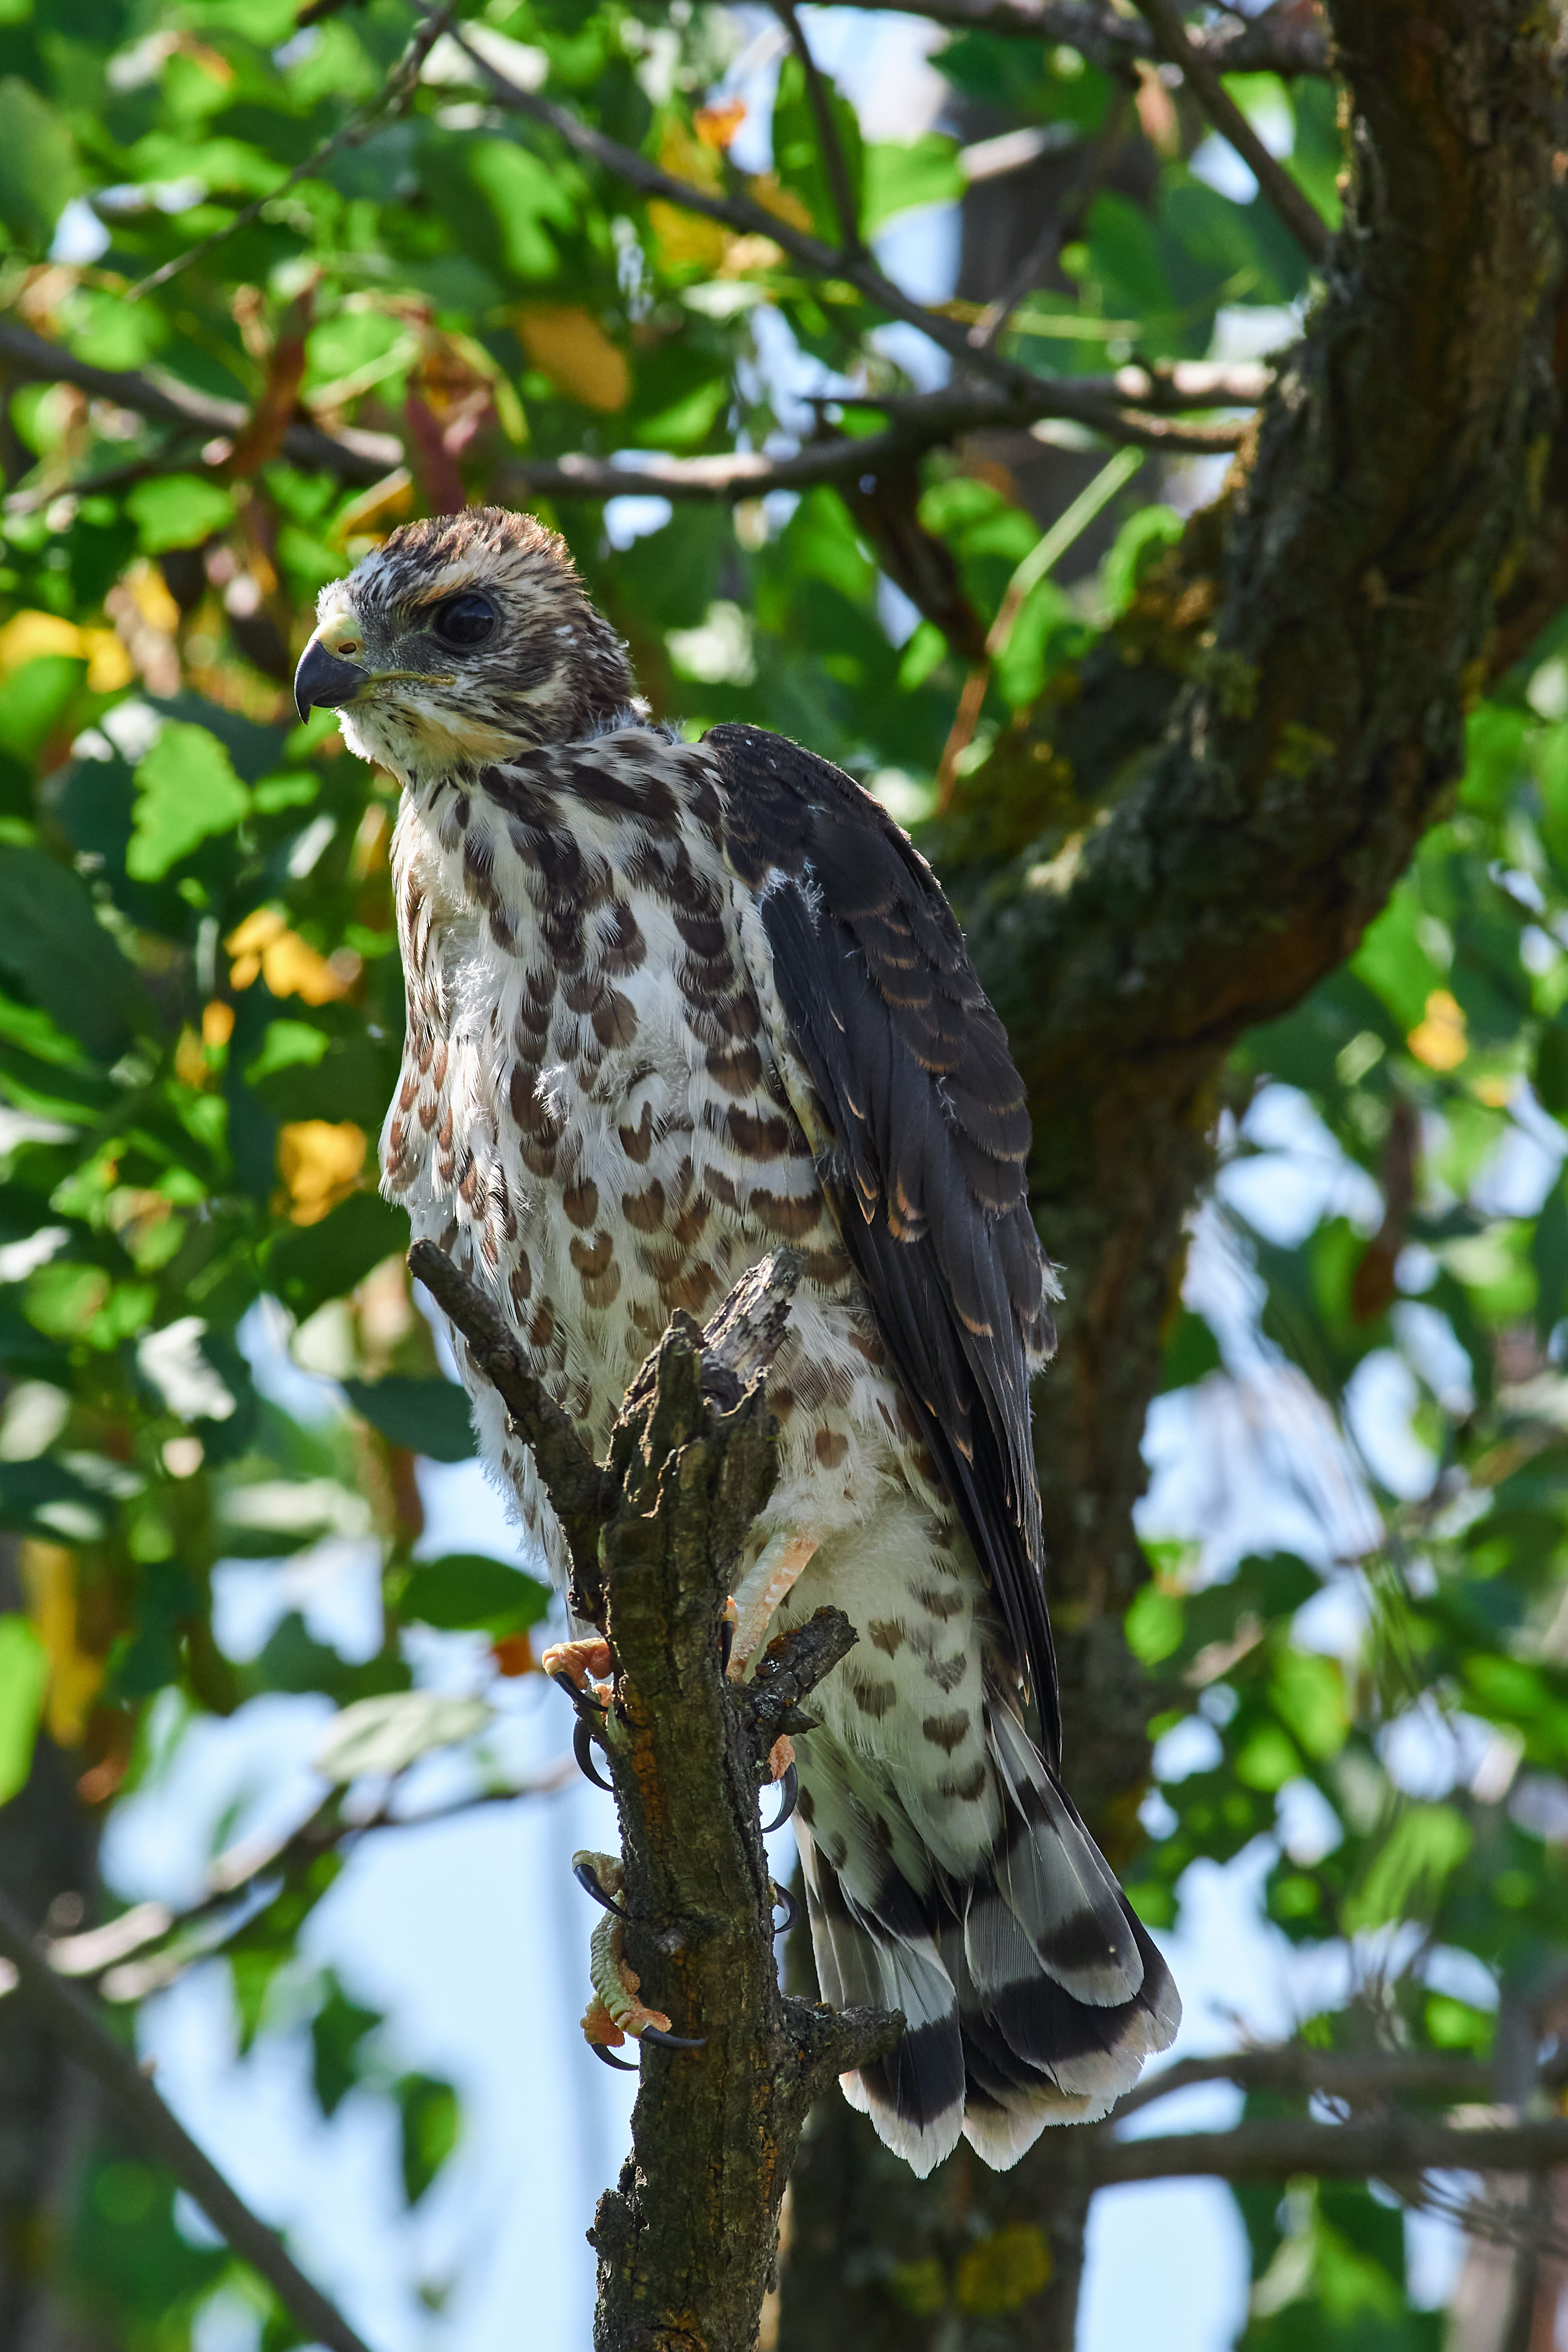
(930, 1139)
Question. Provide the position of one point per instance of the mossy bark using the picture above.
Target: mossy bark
(1178, 850)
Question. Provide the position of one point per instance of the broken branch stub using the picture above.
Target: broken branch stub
(687, 2239)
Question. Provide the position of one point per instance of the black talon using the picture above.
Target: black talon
(790, 1789)
(784, 1901)
(725, 1643)
(588, 1879)
(621, 2065)
(582, 1748)
(580, 1698)
(671, 2041)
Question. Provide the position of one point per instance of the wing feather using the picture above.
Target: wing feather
(927, 1140)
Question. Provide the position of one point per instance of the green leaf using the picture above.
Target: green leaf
(178, 511)
(467, 1591)
(309, 1263)
(337, 2032)
(1192, 1352)
(901, 174)
(186, 791)
(24, 1678)
(39, 169)
(1154, 1625)
(386, 1735)
(1408, 1872)
(1550, 1076)
(430, 1417)
(52, 941)
(431, 2119)
(35, 699)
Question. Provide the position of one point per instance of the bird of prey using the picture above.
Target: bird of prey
(670, 1004)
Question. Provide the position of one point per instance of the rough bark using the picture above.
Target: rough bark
(687, 2239)
(1185, 845)
(48, 1856)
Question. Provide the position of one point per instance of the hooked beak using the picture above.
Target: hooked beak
(324, 680)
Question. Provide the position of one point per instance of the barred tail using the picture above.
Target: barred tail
(1032, 1993)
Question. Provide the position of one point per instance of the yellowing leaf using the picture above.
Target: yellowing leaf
(716, 126)
(49, 1578)
(685, 240)
(28, 634)
(265, 948)
(693, 160)
(320, 1163)
(768, 190)
(1004, 2271)
(572, 348)
(1438, 1040)
(746, 256)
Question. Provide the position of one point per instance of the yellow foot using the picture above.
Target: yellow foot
(780, 1755)
(762, 1588)
(580, 1663)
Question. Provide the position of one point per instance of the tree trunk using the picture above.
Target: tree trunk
(48, 2111)
(1194, 835)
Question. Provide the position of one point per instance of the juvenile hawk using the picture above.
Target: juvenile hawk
(669, 1005)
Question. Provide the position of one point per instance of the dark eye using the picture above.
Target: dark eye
(465, 620)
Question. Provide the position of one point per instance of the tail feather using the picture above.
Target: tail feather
(1032, 1992)
(914, 2096)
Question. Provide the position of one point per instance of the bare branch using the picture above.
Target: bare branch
(357, 128)
(1280, 40)
(691, 1462)
(1303, 219)
(821, 105)
(73, 2021)
(1321, 2073)
(353, 456)
(1274, 2150)
(1134, 406)
(98, 1952)
(722, 2120)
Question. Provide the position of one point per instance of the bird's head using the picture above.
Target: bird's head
(461, 640)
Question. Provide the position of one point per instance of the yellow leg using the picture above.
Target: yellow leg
(761, 1590)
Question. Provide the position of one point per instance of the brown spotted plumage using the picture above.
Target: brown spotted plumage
(668, 1005)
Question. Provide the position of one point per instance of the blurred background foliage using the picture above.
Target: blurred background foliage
(201, 1005)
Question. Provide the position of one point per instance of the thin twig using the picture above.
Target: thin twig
(73, 2021)
(918, 425)
(1280, 40)
(834, 162)
(1276, 2149)
(1319, 2074)
(354, 456)
(1305, 223)
(357, 128)
(97, 1950)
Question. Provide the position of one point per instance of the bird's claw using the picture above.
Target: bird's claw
(671, 2041)
(587, 1877)
(582, 1748)
(621, 2065)
(781, 1771)
(726, 1626)
(789, 1797)
(784, 1901)
(573, 1668)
